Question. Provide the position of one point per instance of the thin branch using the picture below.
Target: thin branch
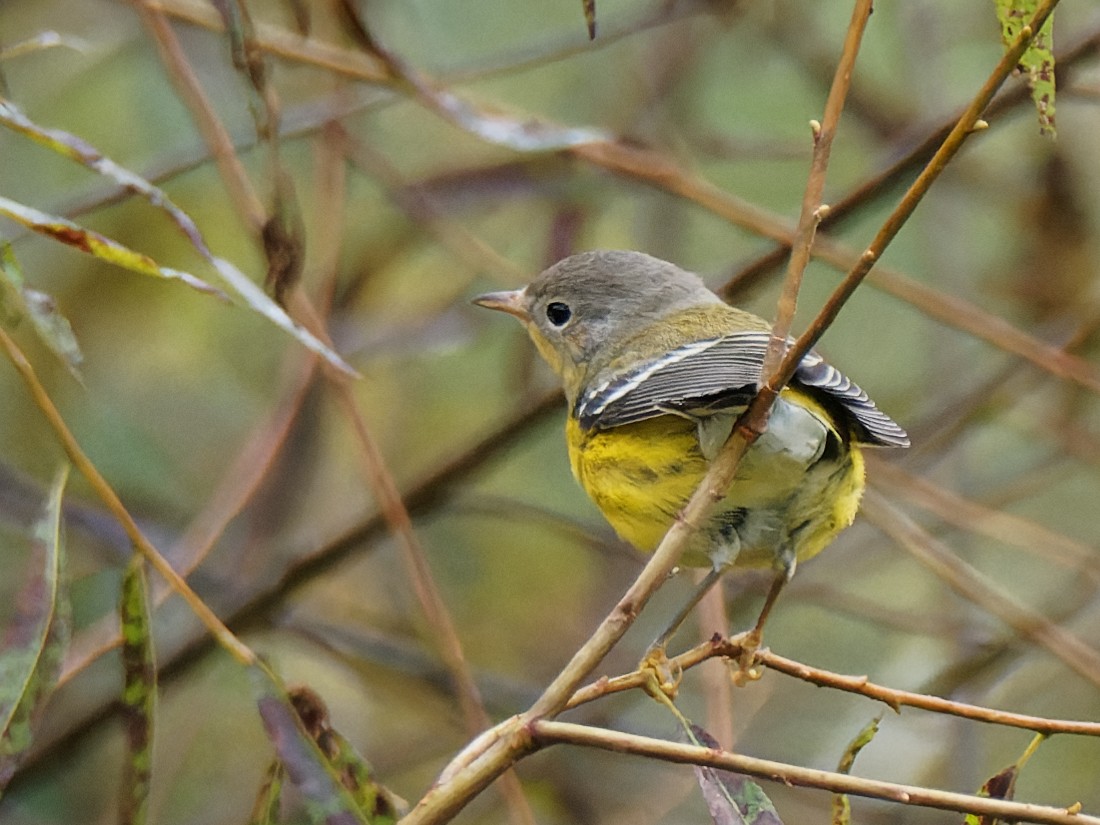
(922, 149)
(473, 769)
(429, 493)
(967, 124)
(107, 495)
(546, 732)
(281, 42)
(896, 699)
(658, 170)
(973, 517)
(183, 77)
(812, 211)
(976, 588)
(731, 648)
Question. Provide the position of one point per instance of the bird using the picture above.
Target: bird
(656, 369)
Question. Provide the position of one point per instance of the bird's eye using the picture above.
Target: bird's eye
(558, 313)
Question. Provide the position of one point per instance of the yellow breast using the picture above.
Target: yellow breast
(641, 475)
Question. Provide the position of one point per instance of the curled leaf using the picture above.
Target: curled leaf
(590, 17)
(298, 726)
(139, 692)
(33, 646)
(732, 798)
(842, 807)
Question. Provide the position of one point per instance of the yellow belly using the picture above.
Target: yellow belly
(641, 475)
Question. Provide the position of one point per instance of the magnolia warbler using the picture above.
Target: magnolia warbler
(656, 369)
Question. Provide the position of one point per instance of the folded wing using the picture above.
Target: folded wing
(719, 374)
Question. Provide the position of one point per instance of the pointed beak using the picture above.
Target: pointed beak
(511, 301)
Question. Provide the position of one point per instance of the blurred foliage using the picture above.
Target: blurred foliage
(241, 464)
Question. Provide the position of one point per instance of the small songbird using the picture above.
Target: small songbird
(656, 369)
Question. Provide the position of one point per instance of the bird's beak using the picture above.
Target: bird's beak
(511, 301)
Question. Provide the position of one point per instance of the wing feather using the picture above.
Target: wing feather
(721, 374)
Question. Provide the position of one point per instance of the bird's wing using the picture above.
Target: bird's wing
(717, 375)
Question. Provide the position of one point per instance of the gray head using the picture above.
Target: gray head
(574, 308)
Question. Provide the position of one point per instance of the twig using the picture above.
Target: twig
(546, 732)
(237, 183)
(239, 483)
(864, 193)
(281, 42)
(967, 124)
(897, 698)
(657, 170)
(107, 495)
(429, 493)
(971, 516)
(976, 588)
(812, 210)
(730, 648)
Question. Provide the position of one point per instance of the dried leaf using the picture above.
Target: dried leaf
(355, 772)
(327, 799)
(523, 134)
(97, 245)
(1038, 61)
(1003, 785)
(283, 238)
(33, 646)
(139, 692)
(590, 17)
(732, 798)
(842, 807)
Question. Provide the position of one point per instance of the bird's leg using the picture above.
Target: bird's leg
(655, 659)
(750, 640)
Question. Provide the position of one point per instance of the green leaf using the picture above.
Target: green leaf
(33, 646)
(732, 798)
(139, 692)
(18, 301)
(327, 798)
(265, 811)
(82, 152)
(1003, 785)
(842, 807)
(1038, 61)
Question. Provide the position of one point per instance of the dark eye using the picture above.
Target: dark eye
(558, 313)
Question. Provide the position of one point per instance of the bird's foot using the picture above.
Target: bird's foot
(746, 670)
(666, 675)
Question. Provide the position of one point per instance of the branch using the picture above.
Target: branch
(812, 209)
(966, 125)
(975, 587)
(545, 732)
(109, 497)
(727, 648)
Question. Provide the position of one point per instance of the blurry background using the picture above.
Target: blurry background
(221, 437)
